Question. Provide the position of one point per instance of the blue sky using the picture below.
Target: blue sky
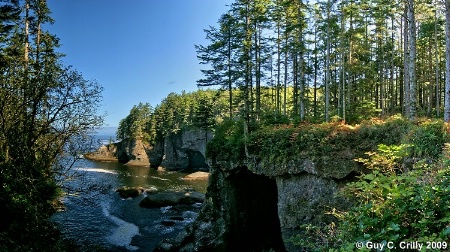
(139, 50)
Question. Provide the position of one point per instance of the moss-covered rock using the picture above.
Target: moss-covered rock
(290, 179)
(130, 192)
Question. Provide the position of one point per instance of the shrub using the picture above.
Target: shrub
(228, 142)
(427, 138)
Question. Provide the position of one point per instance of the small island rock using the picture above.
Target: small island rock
(127, 192)
(172, 198)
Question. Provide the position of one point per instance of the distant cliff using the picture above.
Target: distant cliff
(182, 151)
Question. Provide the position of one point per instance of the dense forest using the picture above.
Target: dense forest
(281, 61)
(287, 77)
(344, 58)
(46, 111)
(293, 61)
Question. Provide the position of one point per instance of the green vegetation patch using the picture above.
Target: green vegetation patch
(328, 146)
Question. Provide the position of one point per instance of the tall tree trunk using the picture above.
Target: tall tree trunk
(301, 62)
(285, 73)
(327, 67)
(230, 81)
(316, 72)
(27, 32)
(447, 62)
(436, 70)
(278, 95)
(248, 79)
(257, 37)
(406, 64)
(412, 60)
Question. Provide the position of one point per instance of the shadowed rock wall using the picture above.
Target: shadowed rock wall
(261, 205)
(182, 151)
(239, 214)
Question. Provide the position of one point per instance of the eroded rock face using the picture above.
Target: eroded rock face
(239, 214)
(131, 151)
(263, 205)
(137, 152)
(104, 153)
(185, 151)
(301, 197)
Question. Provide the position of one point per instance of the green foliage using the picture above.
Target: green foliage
(405, 207)
(197, 109)
(388, 159)
(399, 139)
(228, 142)
(402, 199)
(389, 205)
(428, 138)
(204, 114)
(44, 108)
(363, 111)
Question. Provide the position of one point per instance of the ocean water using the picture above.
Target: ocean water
(95, 215)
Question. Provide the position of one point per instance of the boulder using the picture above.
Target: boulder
(130, 192)
(171, 198)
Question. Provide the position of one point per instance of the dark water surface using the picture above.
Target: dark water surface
(98, 216)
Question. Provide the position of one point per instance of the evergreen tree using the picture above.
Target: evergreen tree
(44, 109)
(204, 115)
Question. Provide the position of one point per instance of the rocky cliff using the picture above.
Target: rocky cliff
(186, 151)
(182, 151)
(259, 206)
(131, 151)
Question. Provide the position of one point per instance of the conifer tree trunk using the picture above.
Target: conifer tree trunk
(406, 65)
(327, 67)
(301, 62)
(447, 62)
(436, 70)
(278, 95)
(230, 82)
(285, 73)
(412, 60)
(27, 32)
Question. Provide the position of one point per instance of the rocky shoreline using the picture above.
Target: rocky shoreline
(184, 151)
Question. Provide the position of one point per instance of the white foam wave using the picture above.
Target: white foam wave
(124, 233)
(96, 170)
(163, 179)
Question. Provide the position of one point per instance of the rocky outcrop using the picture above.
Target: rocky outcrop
(182, 151)
(104, 153)
(261, 205)
(239, 214)
(131, 192)
(186, 151)
(130, 151)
